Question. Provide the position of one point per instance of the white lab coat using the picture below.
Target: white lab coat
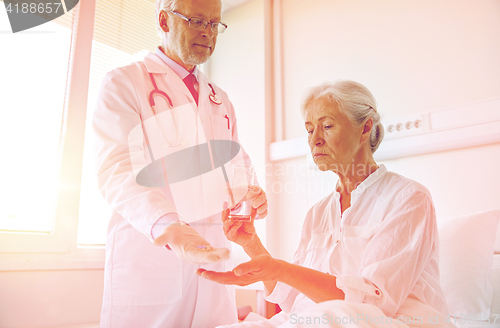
(145, 285)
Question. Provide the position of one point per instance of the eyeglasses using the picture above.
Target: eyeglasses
(201, 24)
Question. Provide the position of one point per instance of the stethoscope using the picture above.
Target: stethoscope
(157, 92)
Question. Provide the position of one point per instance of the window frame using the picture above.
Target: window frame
(22, 248)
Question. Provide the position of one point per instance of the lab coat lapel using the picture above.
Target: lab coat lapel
(203, 90)
(155, 64)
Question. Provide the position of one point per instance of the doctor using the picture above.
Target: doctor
(160, 231)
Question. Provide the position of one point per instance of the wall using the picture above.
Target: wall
(237, 66)
(50, 298)
(415, 57)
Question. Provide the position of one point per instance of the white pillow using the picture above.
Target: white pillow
(495, 273)
(497, 241)
(466, 257)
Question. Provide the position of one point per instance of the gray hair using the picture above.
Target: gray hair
(355, 101)
(167, 5)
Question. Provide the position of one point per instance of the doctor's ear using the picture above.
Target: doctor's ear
(163, 18)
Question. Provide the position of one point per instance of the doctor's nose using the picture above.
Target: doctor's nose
(208, 32)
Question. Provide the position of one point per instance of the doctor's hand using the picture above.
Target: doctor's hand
(189, 246)
(261, 268)
(259, 201)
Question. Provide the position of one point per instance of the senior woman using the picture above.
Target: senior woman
(368, 251)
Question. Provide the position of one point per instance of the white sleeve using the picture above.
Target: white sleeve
(356, 289)
(116, 115)
(163, 222)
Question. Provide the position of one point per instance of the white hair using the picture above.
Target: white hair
(167, 5)
(354, 100)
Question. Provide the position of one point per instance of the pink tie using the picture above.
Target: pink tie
(189, 82)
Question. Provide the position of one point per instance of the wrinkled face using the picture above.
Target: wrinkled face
(333, 140)
(189, 46)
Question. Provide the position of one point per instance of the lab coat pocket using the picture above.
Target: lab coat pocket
(221, 134)
(143, 274)
(221, 126)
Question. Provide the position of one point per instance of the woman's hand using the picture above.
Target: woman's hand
(259, 202)
(261, 268)
(316, 285)
(239, 232)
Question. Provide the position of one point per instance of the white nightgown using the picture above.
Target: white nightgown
(383, 251)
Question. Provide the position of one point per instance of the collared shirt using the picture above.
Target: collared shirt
(178, 69)
(382, 249)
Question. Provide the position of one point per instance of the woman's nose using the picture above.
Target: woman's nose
(316, 138)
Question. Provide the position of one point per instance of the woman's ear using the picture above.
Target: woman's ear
(163, 18)
(367, 129)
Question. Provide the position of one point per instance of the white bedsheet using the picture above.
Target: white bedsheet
(345, 314)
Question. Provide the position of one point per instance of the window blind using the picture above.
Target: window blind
(124, 32)
(66, 20)
(126, 25)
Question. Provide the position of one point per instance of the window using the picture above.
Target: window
(33, 83)
(49, 202)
